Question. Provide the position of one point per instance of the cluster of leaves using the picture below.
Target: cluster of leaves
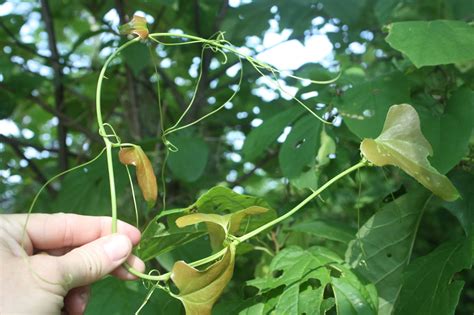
(377, 242)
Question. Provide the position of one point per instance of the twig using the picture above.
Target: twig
(58, 83)
(31, 164)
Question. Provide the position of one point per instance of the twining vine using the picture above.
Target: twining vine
(384, 150)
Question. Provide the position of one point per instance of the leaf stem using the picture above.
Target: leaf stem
(303, 203)
(166, 276)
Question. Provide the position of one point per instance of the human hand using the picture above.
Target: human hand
(62, 255)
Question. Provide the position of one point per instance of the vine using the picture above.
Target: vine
(222, 229)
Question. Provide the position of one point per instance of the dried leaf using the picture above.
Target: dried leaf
(199, 290)
(145, 175)
(136, 26)
(402, 144)
(219, 226)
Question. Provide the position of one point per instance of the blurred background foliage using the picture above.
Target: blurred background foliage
(261, 144)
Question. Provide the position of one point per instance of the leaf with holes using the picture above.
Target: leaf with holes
(145, 175)
(136, 26)
(429, 284)
(383, 245)
(301, 146)
(307, 274)
(199, 290)
(219, 226)
(402, 144)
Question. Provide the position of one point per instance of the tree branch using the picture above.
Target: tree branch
(31, 164)
(37, 147)
(132, 109)
(58, 83)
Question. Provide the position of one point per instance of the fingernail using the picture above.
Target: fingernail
(84, 296)
(117, 247)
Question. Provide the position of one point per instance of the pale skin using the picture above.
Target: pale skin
(62, 255)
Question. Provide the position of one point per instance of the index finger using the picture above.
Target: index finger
(52, 231)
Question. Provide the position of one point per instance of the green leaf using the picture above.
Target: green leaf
(300, 147)
(365, 105)
(157, 240)
(449, 133)
(402, 144)
(137, 57)
(145, 174)
(222, 200)
(353, 297)
(382, 247)
(305, 275)
(430, 43)
(325, 229)
(7, 104)
(115, 297)
(328, 147)
(264, 135)
(349, 11)
(428, 285)
(189, 162)
(199, 290)
(463, 208)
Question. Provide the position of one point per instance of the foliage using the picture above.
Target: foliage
(375, 242)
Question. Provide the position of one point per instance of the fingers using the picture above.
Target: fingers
(133, 261)
(76, 300)
(90, 262)
(50, 231)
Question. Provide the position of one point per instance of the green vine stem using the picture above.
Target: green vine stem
(238, 240)
(218, 44)
(303, 203)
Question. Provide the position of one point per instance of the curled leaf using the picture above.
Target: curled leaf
(145, 175)
(402, 144)
(199, 290)
(136, 26)
(219, 226)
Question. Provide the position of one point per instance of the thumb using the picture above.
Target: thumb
(92, 261)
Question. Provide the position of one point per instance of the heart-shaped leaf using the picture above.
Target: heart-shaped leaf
(199, 290)
(145, 175)
(136, 26)
(219, 226)
(402, 144)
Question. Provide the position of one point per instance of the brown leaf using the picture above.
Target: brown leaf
(199, 290)
(145, 175)
(136, 26)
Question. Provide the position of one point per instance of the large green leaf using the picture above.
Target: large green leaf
(382, 247)
(430, 43)
(463, 208)
(189, 161)
(449, 132)
(365, 105)
(300, 147)
(325, 229)
(402, 144)
(199, 290)
(428, 284)
(264, 135)
(306, 275)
